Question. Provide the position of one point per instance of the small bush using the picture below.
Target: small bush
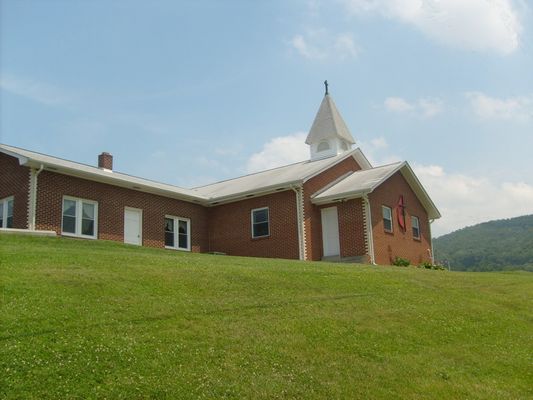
(401, 262)
(428, 265)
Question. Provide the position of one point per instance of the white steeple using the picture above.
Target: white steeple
(329, 135)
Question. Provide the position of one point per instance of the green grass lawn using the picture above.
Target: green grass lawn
(93, 319)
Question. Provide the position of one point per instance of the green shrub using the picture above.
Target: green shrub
(428, 265)
(401, 262)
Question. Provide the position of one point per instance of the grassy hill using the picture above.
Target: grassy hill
(87, 320)
(505, 244)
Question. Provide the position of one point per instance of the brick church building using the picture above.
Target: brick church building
(335, 206)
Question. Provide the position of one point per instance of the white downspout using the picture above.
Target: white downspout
(431, 251)
(32, 207)
(368, 230)
(300, 221)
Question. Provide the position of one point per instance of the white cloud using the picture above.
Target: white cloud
(37, 91)
(379, 143)
(511, 109)
(424, 107)
(479, 25)
(397, 104)
(279, 151)
(320, 45)
(466, 200)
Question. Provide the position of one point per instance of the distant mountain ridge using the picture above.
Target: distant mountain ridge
(505, 244)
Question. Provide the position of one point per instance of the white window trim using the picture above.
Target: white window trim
(391, 230)
(176, 233)
(79, 211)
(4, 202)
(413, 218)
(252, 222)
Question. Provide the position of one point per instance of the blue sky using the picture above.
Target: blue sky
(190, 92)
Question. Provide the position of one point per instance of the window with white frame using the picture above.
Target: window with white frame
(80, 217)
(415, 223)
(177, 233)
(387, 218)
(260, 222)
(6, 213)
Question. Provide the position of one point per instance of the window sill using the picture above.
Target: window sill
(417, 239)
(261, 237)
(78, 236)
(176, 248)
(388, 232)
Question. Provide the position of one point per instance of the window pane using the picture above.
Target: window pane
(416, 227)
(169, 232)
(260, 216)
(10, 208)
(261, 229)
(1, 215)
(69, 224)
(87, 227)
(2, 222)
(169, 239)
(9, 222)
(387, 218)
(169, 225)
(87, 211)
(182, 227)
(183, 241)
(69, 207)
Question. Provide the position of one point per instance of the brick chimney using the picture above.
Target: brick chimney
(105, 161)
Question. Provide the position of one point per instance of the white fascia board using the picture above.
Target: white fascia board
(416, 185)
(342, 197)
(109, 177)
(362, 160)
(22, 160)
(325, 168)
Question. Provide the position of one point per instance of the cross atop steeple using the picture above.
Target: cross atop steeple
(326, 85)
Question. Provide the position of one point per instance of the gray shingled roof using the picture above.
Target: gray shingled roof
(285, 176)
(257, 183)
(360, 183)
(35, 160)
(353, 185)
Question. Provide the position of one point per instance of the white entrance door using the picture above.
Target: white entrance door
(330, 232)
(133, 226)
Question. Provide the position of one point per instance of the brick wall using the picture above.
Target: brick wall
(398, 243)
(111, 202)
(15, 181)
(351, 228)
(312, 218)
(231, 232)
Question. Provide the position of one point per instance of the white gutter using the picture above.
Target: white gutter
(368, 230)
(300, 220)
(32, 197)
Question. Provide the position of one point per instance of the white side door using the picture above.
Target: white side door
(133, 226)
(330, 231)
